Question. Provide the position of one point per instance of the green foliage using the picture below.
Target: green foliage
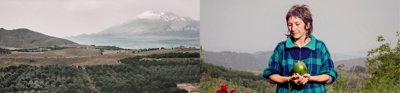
(148, 49)
(109, 48)
(383, 68)
(176, 55)
(141, 77)
(43, 78)
(4, 51)
(135, 76)
(214, 76)
(340, 86)
(40, 49)
(347, 82)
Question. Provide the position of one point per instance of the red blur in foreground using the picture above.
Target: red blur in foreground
(224, 89)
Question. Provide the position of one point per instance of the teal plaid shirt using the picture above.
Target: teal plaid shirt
(316, 57)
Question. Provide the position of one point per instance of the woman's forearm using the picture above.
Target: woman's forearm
(323, 78)
(276, 78)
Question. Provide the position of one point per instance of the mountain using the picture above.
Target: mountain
(245, 61)
(147, 30)
(352, 62)
(25, 38)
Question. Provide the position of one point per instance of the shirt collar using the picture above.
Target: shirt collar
(310, 45)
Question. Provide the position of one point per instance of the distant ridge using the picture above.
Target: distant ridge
(25, 38)
(235, 60)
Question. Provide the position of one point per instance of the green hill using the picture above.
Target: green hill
(25, 38)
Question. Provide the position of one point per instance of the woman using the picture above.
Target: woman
(300, 46)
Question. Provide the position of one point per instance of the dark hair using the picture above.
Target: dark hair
(303, 13)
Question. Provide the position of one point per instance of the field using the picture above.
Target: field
(77, 70)
(76, 56)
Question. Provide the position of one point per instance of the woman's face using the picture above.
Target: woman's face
(297, 27)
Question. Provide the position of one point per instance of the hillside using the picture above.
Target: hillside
(351, 62)
(245, 61)
(25, 38)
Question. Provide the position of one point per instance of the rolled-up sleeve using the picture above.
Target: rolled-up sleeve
(273, 63)
(327, 65)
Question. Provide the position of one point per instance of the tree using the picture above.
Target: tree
(101, 51)
(383, 67)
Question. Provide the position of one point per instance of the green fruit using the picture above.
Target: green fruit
(300, 68)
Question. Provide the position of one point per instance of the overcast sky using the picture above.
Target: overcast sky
(62, 18)
(348, 27)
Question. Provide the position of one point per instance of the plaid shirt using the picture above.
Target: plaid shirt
(316, 57)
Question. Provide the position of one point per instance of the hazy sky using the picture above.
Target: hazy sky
(62, 18)
(348, 27)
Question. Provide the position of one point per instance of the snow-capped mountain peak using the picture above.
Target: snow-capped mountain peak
(156, 21)
(159, 15)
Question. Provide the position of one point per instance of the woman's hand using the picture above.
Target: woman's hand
(296, 78)
(300, 80)
(305, 79)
